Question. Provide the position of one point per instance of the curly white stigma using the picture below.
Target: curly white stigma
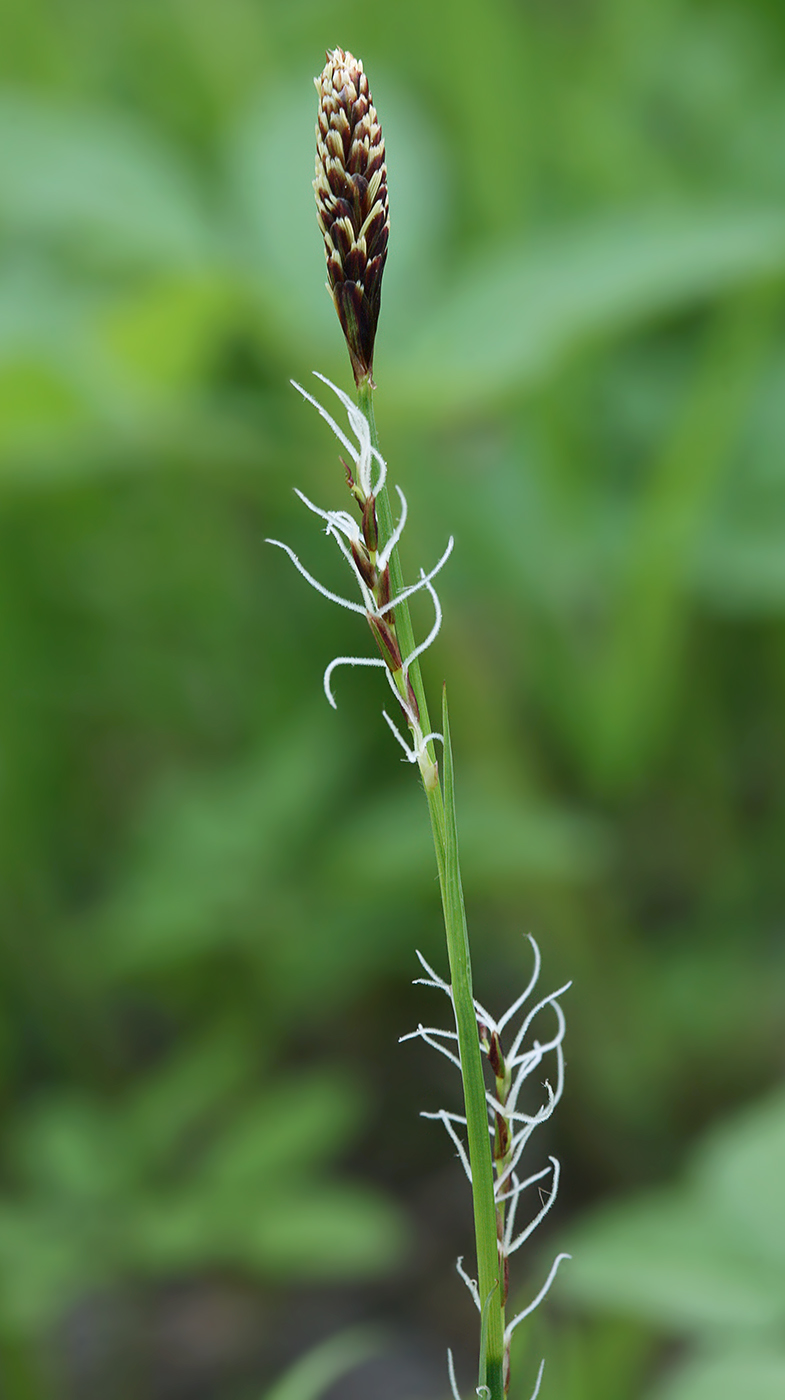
(370, 567)
(509, 1126)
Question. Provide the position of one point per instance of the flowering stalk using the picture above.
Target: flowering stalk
(445, 839)
(352, 206)
(353, 215)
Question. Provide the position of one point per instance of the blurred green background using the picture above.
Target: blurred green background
(212, 886)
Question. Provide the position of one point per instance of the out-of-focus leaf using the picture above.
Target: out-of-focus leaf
(740, 1169)
(746, 1375)
(42, 1267)
(70, 1149)
(47, 385)
(502, 843)
(207, 844)
(663, 541)
(418, 174)
(277, 237)
(668, 1259)
(73, 363)
(98, 180)
(515, 315)
(200, 1084)
(101, 1190)
(165, 334)
(328, 1232)
(310, 1376)
(294, 1127)
(38, 404)
(39, 312)
(316, 1230)
(740, 570)
(706, 1255)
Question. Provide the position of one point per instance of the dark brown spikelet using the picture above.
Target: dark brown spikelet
(351, 202)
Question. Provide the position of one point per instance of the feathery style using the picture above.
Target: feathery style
(351, 202)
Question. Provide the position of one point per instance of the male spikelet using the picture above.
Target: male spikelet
(351, 202)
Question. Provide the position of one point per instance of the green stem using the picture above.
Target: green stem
(445, 842)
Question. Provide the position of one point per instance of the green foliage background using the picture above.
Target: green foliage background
(212, 886)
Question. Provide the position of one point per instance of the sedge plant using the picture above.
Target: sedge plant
(490, 1130)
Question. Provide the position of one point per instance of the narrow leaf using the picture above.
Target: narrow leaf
(311, 1376)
